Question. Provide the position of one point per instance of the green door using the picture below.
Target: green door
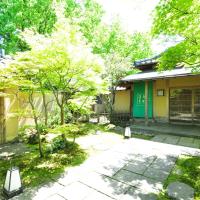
(139, 99)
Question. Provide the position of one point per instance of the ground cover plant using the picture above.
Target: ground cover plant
(36, 170)
(187, 170)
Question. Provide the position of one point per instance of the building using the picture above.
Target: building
(8, 105)
(168, 96)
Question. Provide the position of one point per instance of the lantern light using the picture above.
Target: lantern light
(98, 132)
(12, 185)
(127, 133)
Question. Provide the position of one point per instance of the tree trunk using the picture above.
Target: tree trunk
(62, 122)
(45, 108)
(39, 138)
(36, 123)
(62, 115)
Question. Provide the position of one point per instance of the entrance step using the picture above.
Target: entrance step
(167, 129)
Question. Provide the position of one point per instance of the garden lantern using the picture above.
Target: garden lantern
(127, 133)
(12, 185)
(98, 132)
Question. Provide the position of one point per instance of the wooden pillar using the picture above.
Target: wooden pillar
(146, 102)
(167, 93)
(153, 100)
(193, 103)
(131, 102)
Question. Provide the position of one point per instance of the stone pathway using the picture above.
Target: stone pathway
(132, 169)
(178, 140)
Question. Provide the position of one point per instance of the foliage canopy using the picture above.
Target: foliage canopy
(181, 19)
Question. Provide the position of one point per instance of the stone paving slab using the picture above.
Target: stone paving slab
(186, 139)
(148, 159)
(55, 197)
(97, 196)
(165, 164)
(122, 184)
(166, 168)
(105, 185)
(40, 193)
(172, 140)
(138, 194)
(159, 138)
(106, 167)
(197, 142)
(138, 181)
(76, 191)
(178, 140)
(136, 167)
(107, 170)
(156, 174)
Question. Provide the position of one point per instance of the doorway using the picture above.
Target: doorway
(139, 99)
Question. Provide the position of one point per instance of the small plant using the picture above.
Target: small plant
(57, 144)
(42, 128)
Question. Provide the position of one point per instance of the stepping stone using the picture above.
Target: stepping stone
(180, 191)
(172, 139)
(139, 194)
(159, 138)
(184, 141)
(193, 145)
(197, 142)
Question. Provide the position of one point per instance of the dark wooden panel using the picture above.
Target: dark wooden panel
(181, 104)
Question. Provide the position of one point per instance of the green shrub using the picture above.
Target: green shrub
(42, 128)
(56, 144)
(28, 134)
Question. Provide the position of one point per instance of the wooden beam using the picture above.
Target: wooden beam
(146, 102)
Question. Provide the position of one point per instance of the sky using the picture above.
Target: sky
(135, 15)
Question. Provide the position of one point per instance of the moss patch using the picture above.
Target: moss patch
(35, 170)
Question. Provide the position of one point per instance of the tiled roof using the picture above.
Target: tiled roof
(152, 75)
(146, 61)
